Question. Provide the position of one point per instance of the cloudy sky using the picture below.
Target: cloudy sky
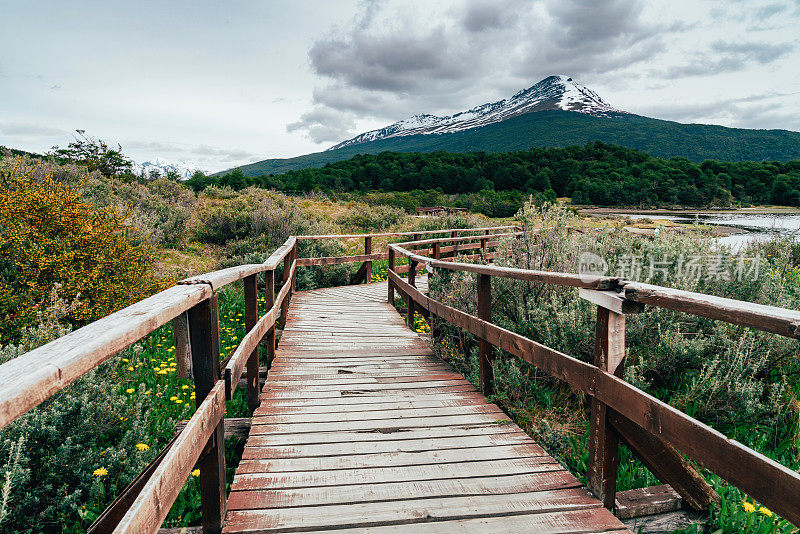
(225, 83)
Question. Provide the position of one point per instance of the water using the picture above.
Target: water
(755, 226)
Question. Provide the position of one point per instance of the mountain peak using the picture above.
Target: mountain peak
(558, 92)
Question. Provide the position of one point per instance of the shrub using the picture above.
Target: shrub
(371, 218)
(50, 235)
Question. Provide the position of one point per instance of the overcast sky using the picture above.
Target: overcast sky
(225, 83)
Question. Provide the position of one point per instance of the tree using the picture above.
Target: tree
(93, 153)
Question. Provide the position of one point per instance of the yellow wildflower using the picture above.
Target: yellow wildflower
(178, 401)
(129, 390)
(748, 507)
(184, 386)
(196, 473)
(765, 511)
(142, 446)
(101, 472)
(130, 368)
(125, 360)
(173, 398)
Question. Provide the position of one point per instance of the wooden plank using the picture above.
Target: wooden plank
(647, 501)
(564, 279)
(389, 459)
(609, 355)
(409, 473)
(374, 424)
(408, 512)
(590, 521)
(250, 320)
(768, 318)
(667, 464)
(484, 347)
(337, 260)
(396, 491)
(611, 300)
(235, 427)
(400, 234)
(401, 438)
(31, 378)
(377, 414)
(204, 335)
(183, 356)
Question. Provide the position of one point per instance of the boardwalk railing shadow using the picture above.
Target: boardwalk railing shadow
(656, 432)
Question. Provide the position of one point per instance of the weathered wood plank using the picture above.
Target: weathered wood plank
(396, 491)
(408, 512)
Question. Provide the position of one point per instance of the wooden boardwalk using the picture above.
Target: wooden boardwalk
(362, 429)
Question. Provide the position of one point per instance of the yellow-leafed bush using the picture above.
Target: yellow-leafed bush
(50, 235)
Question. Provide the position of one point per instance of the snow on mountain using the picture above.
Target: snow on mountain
(554, 92)
(183, 169)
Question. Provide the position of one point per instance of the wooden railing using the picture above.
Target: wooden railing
(192, 307)
(657, 433)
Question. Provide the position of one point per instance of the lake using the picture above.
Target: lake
(755, 226)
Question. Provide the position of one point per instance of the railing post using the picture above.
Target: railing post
(183, 352)
(412, 272)
(609, 354)
(368, 263)
(391, 268)
(287, 266)
(250, 320)
(436, 253)
(295, 251)
(269, 297)
(484, 347)
(204, 335)
(484, 241)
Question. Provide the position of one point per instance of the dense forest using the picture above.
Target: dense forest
(596, 173)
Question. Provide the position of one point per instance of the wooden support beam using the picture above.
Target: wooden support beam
(269, 301)
(250, 320)
(183, 353)
(436, 251)
(235, 427)
(647, 501)
(287, 267)
(609, 353)
(361, 275)
(368, 264)
(389, 282)
(611, 300)
(666, 463)
(204, 335)
(412, 272)
(484, 347)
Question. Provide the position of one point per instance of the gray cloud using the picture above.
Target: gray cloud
(204, 151)
(763, 110)
(726, 56)
(769, 11)
(481, 16)
(27, 129)
(323, 124)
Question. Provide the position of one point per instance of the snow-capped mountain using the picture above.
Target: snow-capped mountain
(554, 92)
(184, 170)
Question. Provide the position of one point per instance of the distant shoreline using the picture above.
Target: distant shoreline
(776, 210)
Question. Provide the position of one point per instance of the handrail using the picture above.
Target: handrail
(400, 234)
(646, 423)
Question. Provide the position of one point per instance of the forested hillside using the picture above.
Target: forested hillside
(596, 173)
(555, 128)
